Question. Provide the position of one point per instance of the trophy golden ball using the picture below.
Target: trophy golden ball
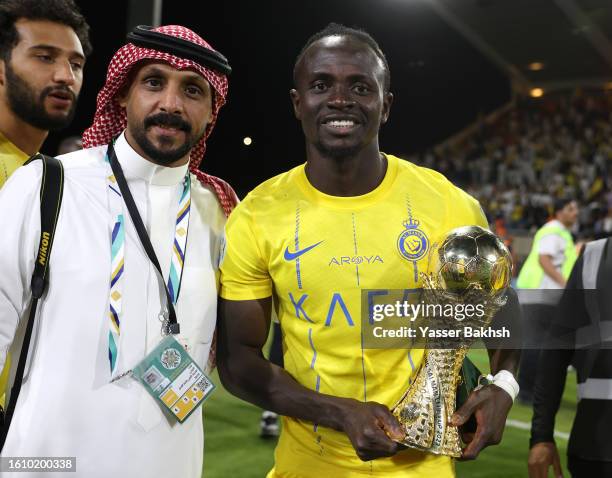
(471, 259)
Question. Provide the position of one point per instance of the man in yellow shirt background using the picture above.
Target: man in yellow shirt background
(43, 46)
(314, 238)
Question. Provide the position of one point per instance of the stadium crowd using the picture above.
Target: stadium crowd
(541, 149)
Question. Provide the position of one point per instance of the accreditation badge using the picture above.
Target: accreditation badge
(172, 377)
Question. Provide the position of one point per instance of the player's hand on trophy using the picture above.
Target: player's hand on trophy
(490, 406)
(541, 457)
(372, 429)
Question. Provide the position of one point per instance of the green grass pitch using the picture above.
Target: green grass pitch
(233, 447)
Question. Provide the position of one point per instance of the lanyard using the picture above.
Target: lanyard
(119, 189)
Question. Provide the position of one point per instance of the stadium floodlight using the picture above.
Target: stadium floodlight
(536, 92)
(536, 66)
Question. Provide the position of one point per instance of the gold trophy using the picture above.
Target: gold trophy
(471, 266)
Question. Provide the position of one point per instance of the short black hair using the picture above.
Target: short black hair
(58, 11)
(560, 203)
(337, 29)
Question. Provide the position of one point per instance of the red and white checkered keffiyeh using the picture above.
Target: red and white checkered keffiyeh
(110, 118)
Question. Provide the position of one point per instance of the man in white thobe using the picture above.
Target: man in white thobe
(74, 402)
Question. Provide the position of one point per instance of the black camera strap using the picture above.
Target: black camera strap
(172, 327)
(51, 190)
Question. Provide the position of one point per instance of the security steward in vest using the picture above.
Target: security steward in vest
(540, 281)
(582, 331)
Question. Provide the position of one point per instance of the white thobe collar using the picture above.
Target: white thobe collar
(136, 167)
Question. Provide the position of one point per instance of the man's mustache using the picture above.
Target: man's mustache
(168, 120)
(49, 90)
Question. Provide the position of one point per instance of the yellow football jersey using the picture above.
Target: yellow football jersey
(11, 157)
(315, 253)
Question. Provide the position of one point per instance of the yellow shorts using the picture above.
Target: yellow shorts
(302, 454)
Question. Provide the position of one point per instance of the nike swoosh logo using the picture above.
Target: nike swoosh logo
(290, 256)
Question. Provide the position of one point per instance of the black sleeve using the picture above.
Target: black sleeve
(553, 363)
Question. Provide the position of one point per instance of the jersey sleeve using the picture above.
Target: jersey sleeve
(244, 270)
(464, 210)
(480, 219)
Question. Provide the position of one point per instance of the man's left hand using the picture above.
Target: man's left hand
(490, 405)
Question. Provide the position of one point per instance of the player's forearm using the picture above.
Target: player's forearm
(550, 270)
(249, 376)
(504, 359)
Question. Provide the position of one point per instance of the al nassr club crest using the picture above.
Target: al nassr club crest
(412, 243)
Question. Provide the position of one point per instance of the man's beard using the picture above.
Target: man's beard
(23, 102)
(165, 157)
(346, 152)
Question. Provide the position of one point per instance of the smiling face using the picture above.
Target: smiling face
(41, 80)
(168, 111)
(340, 97)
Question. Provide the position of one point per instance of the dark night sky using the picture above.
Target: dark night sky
(440, 82)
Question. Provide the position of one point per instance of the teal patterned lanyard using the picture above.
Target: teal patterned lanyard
(181, 232)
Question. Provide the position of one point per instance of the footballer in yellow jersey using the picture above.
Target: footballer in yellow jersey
(315, 253)
(313, 238)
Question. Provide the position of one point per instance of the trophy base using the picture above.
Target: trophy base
(444, 451)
